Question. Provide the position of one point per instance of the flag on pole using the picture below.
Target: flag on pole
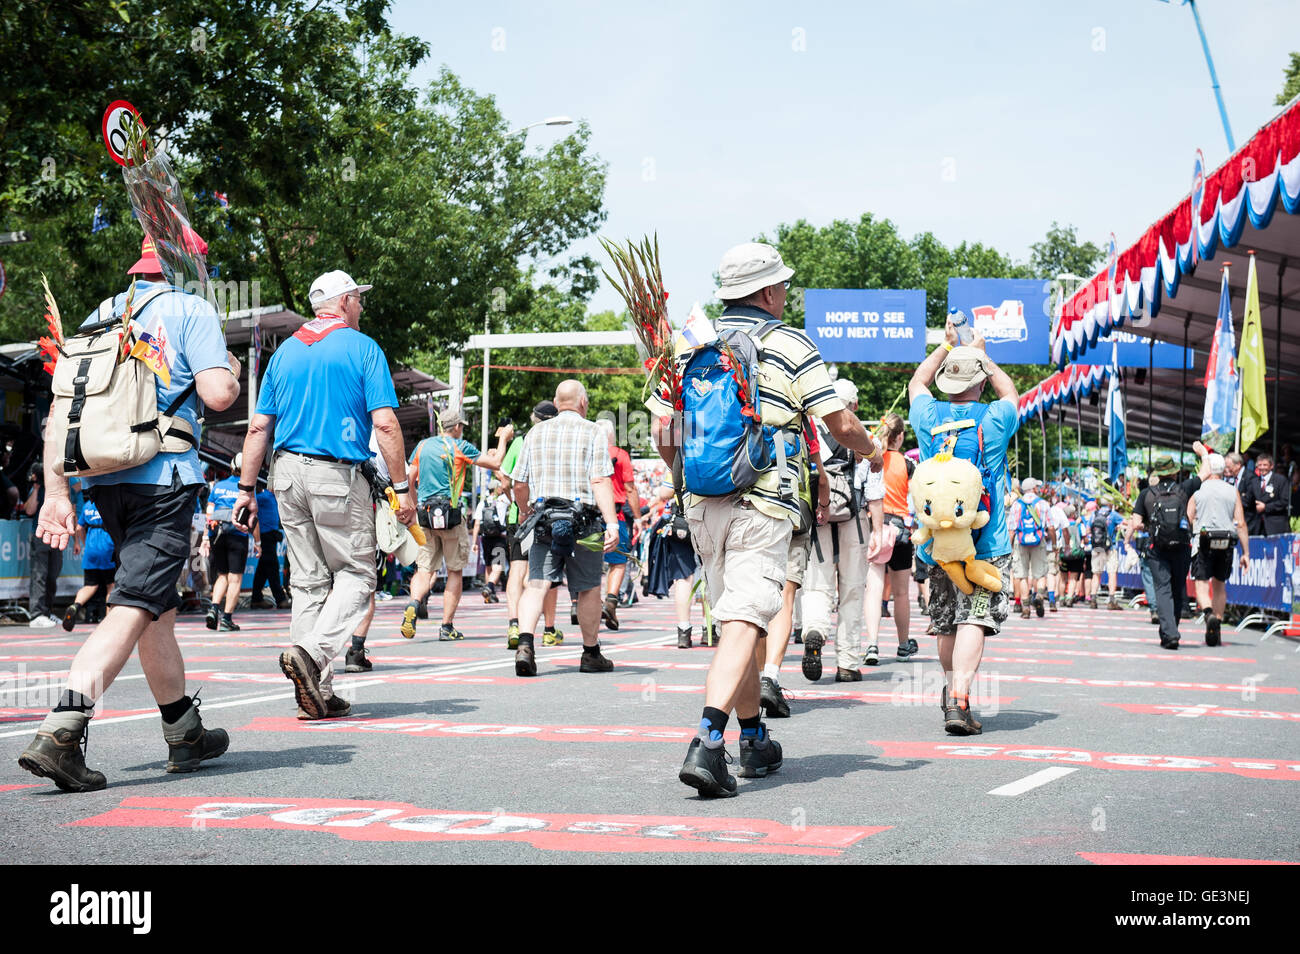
(1219, 422)
(1117, 458)
(1250, 362)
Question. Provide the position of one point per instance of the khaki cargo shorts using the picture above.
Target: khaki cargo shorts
(744, 554)
(450, 545)
(796, 564)
(1029, 562)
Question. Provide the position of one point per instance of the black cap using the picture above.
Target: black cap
(545, 410)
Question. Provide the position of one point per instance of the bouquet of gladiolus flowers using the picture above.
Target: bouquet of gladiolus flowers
(159, 205)
(52, 346)
(641, 285)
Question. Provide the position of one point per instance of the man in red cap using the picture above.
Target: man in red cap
(147, 510)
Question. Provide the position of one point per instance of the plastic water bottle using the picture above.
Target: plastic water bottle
(965, 333)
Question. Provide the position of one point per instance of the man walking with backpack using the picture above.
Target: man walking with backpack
(438, 467)
(1105, 556)
(146, 509)
(741, 518)
(960, 621)
(1031, 524)
(1218, 523)
(1163, 510)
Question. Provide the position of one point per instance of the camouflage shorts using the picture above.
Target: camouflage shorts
(950, 607)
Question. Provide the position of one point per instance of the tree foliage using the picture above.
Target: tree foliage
(1290, 82)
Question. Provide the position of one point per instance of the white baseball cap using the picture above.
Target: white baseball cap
(332, 285)
(1029, 484)
(748, 268)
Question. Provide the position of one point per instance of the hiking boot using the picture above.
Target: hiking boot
(771, 699)
(552, 637)
(448, 633)
(1092, 602)
(1051, 607)
(409, 616)
(1212, 629)
(1025, 612)
(525, 660)
(70, 617)
(873, 655)
(847, 675)
(595, 662)
(211, 619)
(705, 769)
(1114, 604)
(189, 743)
(227, 625)
(489, 596)
(760, 755)
(512, 636)
(335, 708)
(684, 638)
(1155, 619)
(296, 663)
(284, 604)
(958, 720)
(907, 651)
(797, 635)
(812, 656)
(1171, 644)
(57, 753)
(357, 661)
(1039, 608)
(609, 613)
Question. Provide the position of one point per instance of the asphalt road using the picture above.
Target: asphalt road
(1098, 747)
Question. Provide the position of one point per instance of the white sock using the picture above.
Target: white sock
(773, 672)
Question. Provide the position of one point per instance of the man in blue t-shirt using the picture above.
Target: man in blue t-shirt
(438, 468)
(146, 510)
(229, 550)
(323, 390)
(962, 622)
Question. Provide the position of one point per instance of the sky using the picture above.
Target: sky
(977, 120)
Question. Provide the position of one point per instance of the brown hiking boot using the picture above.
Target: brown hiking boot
(303, 672)
(610, 612)
(335, 708)
(189, 743)
(57, 753)
(958, 720)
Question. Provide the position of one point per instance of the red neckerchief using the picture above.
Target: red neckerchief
(320, 326)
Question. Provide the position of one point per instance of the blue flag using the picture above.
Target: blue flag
(1118, 455)
(1219, 423)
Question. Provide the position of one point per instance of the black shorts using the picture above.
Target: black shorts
(496, 550)
(517, 555)
(1212, 564)
(902, 556)
(920, 571)
(229, 553)
(1073, 564)
(93, 577)
(150, 526)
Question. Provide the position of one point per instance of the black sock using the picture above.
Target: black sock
(358, 643)
(514, 621)
(751, 723)
(715, 720)
(525, 639)
(591, 650)
(549, 629)
(71, 701)
(172, 711)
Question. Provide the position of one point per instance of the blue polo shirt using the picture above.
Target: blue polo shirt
(321, 395)
(191, 330)
(222, 502)
(98, 554)
(268, 511)
(999, 423)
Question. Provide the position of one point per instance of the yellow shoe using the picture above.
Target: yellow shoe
(408, 620)
(552, 637)
(512, 636)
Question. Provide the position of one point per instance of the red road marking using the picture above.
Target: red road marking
(1209, 710)
(1165, 655)
(1108, 858)
(1214, 765)
(1141, 684)
(361, 820)
(14, 788)
(814, 694)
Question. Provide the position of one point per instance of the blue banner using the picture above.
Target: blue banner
(1135, 351)
(1269, 582)
(866, 325)
(1012, 315)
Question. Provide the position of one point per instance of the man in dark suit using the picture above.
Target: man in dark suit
(1266, 499)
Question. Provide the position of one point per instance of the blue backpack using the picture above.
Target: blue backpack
(725, 445)
(1031, 532)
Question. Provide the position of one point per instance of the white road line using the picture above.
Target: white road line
(1032, 781)
(343, 684)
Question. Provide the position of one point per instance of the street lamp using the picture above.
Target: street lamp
(552, 121)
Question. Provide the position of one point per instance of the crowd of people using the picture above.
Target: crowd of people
(813, 546)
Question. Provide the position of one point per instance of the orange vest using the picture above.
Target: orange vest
(895, 484)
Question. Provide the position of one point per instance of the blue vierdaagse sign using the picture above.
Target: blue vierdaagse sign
(858, 325)
(1011, 314)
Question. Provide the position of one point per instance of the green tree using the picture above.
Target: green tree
(1290, 82)
(1061, 253)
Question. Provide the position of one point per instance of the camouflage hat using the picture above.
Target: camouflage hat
(1164, 466)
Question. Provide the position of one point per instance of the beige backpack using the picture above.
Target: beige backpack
(105, 415)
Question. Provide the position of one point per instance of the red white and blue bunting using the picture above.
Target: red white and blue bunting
(1073, 384)
(1247, 185)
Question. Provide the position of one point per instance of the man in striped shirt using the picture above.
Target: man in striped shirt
(743, 539)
